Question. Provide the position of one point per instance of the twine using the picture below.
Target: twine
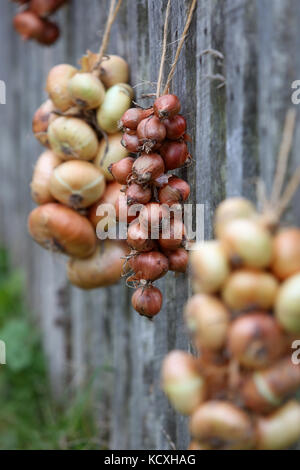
(113, 11)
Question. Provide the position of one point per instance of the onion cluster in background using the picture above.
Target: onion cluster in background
(33, 23)
(79, 126)
(243, 319)
(156, 140)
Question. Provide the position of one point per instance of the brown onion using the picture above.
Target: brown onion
(166, 106)
(182, 382)
(172, 237)
(265, 390)
(28, 25)
(151, 216)
(176, 190)
(195, 445)
(175, 127)
(214, 367)
(255, 340)
(77, 184)
(208, 320)
(286, 249)
(287, 308)
(136, 194)
(137, 239)
(150, 132)
(41, 120)
(133, 116)
(247, 289)
(45, 7)
(110, 151)
(57, 85)
(122, 169)
(131, 142)
(148, 167)
(231, 209)
(178, 260)
(43, 170)
(174, 154)
(102, 269)
(147, 301)
(60, 228)
(50, 33)
(223, 425)
(113, 70)
(123, 210)
(149, 266)
(110, 196)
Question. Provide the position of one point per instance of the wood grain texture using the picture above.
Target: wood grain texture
(95, 337)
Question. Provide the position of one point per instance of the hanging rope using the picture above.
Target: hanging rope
(113, 11)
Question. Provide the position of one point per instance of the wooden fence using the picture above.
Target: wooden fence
(236, 130)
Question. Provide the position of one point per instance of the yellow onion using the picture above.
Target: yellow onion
(114, 69)
(247, 243)
(210, 266)
(110, 196)
(214, 367)
(255, 340)
(62, 229)
(117, 100)
(43, 170)
(247, 288)
(208, 320)
(286, 249)
(77, 184)
(195, 445)
(102, 269)
(57, 85)
(281, 429)
(223, 425)
(265, 390)
(72, 138)
(287, 308)
(86, 90)
(231, 209)
(41, 120)
(182, 382)
(109, 153)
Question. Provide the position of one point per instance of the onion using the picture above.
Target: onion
(247, 289)
(57, 85)
(109, 153)
(255, 340)
(114, 69)
(41, 120)
(131, 142)
(137, 239)
(150, 132)
(86, 90)
(265, 390)
(281, 429)
(136, 194)
(209, 265)
(122, 169)
(133, 116)
(175, 127)
(148, 167)
(175, 191)
(72, 138)
(195, 445)
(182, 382)
(166, 106)
(43, 170)
(77, 184)
(174, 154)
(208, 320)
(223, 425)
(149, 266)
(247, 243)
(45, 7)
(147, 301)
(60, 228)
(50, 33)
(151, 216)
(102, 269)
(28, 25)
(172, 237)
(123, 210)
(287, 308)
(117, 100)
(110, 196)
(286, 248)
(231, 209)
(214, 367)
(178, 260)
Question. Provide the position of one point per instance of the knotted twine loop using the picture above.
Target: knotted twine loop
(178, 51)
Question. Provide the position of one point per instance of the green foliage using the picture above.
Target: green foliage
(29, 419)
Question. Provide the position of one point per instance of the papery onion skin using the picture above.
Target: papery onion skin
(77, 184)
(246, 288)
(110, 152)
(43, 170)
(41, 120)
(137, 239)
(131, 142)
(287, 308)
(147, 301)
(207, 320)
(224, 423)
(133, 116)
(72, 138)
(176, 190)
(149, 266)
(255, 340)
(110, 196)
(60, 228)
(148, 167)
(175, 127)
(178, 260)
(113, 70)
(121, 170)
(57, 85)
(86, 90)
(117, 100)
(136, 194)
(182, 382)
(231, 209)
(151, 129)
(122, 209)
(166, 106)
(173, 238)
(286, 250)
(102, 269)
(175, 154)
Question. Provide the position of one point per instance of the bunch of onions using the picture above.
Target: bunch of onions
(243, 318)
